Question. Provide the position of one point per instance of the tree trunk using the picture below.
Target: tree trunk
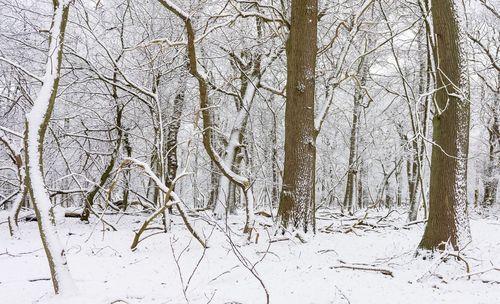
(37, 121)
(492, 167)
(90, 197)
(126, 175)
(203, 85)
(274, 166)
(362, 186)
(352, 166)
(297, 200)
(412, 176)
(237, 135)
(491, 176)
(448, 219)
(234, 145)
(415, 164)
(399, 184)
(214, 170)
(389, 194)
(172, 132)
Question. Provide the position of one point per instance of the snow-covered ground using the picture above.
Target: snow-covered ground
(107, 271)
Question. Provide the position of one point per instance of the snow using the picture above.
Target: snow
(106, 270)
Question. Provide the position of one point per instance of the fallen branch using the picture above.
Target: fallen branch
(414, 223)
(40, 279)
(365, 268)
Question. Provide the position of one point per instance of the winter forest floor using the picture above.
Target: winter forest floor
(107, 271)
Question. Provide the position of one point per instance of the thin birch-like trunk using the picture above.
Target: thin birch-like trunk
(37, 121)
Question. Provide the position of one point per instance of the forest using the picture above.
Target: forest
(249, 151)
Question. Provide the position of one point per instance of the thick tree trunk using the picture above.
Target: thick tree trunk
(297, 200)
(37, 121)
(448, 219)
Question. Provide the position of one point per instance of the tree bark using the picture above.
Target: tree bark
(448, 219)
(297, 200)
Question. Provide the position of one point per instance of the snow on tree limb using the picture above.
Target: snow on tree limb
(36, 122)
(173, 200)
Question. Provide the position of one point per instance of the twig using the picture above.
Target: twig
(386, 216)
(342, 294)
(177, 264)
(40, 279)
(198, 263)
(244, 261)
(8, 254)
(225, 272)
(469, 274)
